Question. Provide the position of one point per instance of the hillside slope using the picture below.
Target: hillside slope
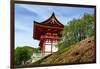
(81, 52)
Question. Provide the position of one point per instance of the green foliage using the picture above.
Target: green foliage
(77, 30)
(29, 49)
(36, 50)
(23, 54)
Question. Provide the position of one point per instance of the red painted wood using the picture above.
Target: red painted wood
(47, 30)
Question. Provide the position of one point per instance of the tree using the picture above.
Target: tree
(77, 30)
(21, 55)
(36, 50)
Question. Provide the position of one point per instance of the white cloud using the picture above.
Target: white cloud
(40, 13)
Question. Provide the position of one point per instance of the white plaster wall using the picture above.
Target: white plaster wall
(47, 48)
(54, 49)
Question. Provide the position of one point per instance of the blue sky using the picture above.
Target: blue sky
(26, 14)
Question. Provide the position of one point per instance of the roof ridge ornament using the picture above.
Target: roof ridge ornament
(53, 14)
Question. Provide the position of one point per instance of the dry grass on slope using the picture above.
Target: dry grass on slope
(81, 52)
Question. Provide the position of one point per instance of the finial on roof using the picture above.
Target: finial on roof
(34, 21)
(53, 14)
